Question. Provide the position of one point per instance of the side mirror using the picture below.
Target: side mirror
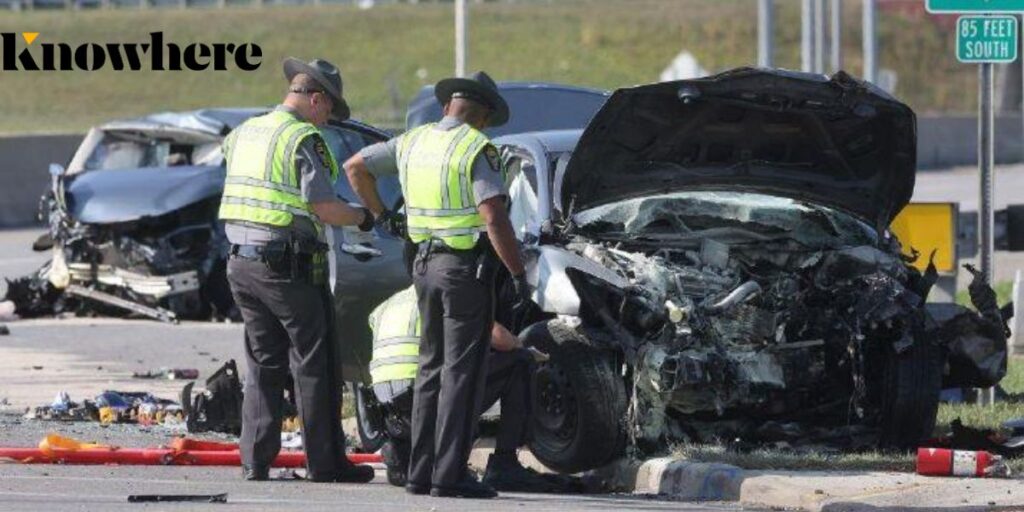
(57, 170)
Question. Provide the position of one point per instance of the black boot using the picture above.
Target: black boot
(349, 473)
(505, 473)
(468, 487)
(254, 473)
(398, 466)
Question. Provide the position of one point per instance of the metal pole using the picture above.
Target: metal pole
(985, 160)
(986, 152)
(460, 37)
(765, 22)
(807, 35)
(819, 36)
(837, 35)
(869, 42)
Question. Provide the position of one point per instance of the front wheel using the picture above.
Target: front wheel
(910, 387)
(369, 419)
(579, 401)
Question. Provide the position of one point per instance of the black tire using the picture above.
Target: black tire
(579, 401)
(369, 419)
(1015, 227)
(909, 399)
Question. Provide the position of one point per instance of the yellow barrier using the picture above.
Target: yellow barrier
(927, 227)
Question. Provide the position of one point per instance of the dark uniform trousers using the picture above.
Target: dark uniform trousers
(508, 380)
(456, 311)
(288, 324)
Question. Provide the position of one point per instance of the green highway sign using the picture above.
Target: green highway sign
(954, 6)
(991, 39)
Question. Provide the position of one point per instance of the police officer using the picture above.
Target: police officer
(396, 339)
(279, 188)
(454, 196)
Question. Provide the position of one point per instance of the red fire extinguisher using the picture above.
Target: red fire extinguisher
(945, 462)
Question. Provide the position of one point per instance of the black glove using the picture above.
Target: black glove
(523, 307)
(522, 288)
(393, 223)
(367, 223)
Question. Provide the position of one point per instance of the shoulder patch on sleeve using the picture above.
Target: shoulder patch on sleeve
(321, 151)
(491, 153)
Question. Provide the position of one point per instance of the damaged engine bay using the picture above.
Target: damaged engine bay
(736, 316)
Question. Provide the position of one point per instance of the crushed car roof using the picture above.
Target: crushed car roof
(834, 141)
(215, 121)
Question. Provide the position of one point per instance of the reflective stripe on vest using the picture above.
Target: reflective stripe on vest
(435, 169)
(262, 184)
(396, 338)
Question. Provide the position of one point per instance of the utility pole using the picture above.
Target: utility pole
(819, 36)
(869, 42)
(837, 35)
(807, 35)
(765, 28)
(460, 37)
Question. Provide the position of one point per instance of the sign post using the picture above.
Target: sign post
(984, 39)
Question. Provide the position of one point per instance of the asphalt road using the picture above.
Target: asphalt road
(67, 488)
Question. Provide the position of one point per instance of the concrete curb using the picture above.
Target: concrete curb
(813, 491)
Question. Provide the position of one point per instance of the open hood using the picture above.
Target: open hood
(838, 142)
(104, 197)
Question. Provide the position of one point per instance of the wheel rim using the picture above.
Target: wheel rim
(556, 408)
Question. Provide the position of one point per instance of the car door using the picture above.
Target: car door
(366, 268)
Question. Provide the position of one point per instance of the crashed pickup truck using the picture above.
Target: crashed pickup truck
(711, 260)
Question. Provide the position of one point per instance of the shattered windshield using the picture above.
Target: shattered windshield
(735, 214)
(117, 150)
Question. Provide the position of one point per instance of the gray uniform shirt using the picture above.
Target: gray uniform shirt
(314, 183)
(382, 160)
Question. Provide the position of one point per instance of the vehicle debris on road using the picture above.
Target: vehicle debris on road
(178, 498)
(169, 374)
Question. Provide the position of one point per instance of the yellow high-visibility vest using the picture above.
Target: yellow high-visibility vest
(396, 338)
(435, 168)
(262, 184)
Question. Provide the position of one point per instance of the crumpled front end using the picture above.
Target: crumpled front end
(724, 333)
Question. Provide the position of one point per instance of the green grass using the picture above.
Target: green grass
(784, 459)
(1003, 289)
(384, 52)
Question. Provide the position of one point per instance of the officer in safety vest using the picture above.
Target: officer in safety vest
(278, 191)
(396, 345)
(454, 193)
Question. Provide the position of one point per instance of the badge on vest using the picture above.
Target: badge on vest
(321, 150)
(492, 157)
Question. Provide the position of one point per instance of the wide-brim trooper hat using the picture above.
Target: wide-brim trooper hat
(325, 74)
(479, 88)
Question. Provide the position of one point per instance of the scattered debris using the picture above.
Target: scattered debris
(163, 498)
(969, 438)
(169, 374)
(64, 409)
(37, 367)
